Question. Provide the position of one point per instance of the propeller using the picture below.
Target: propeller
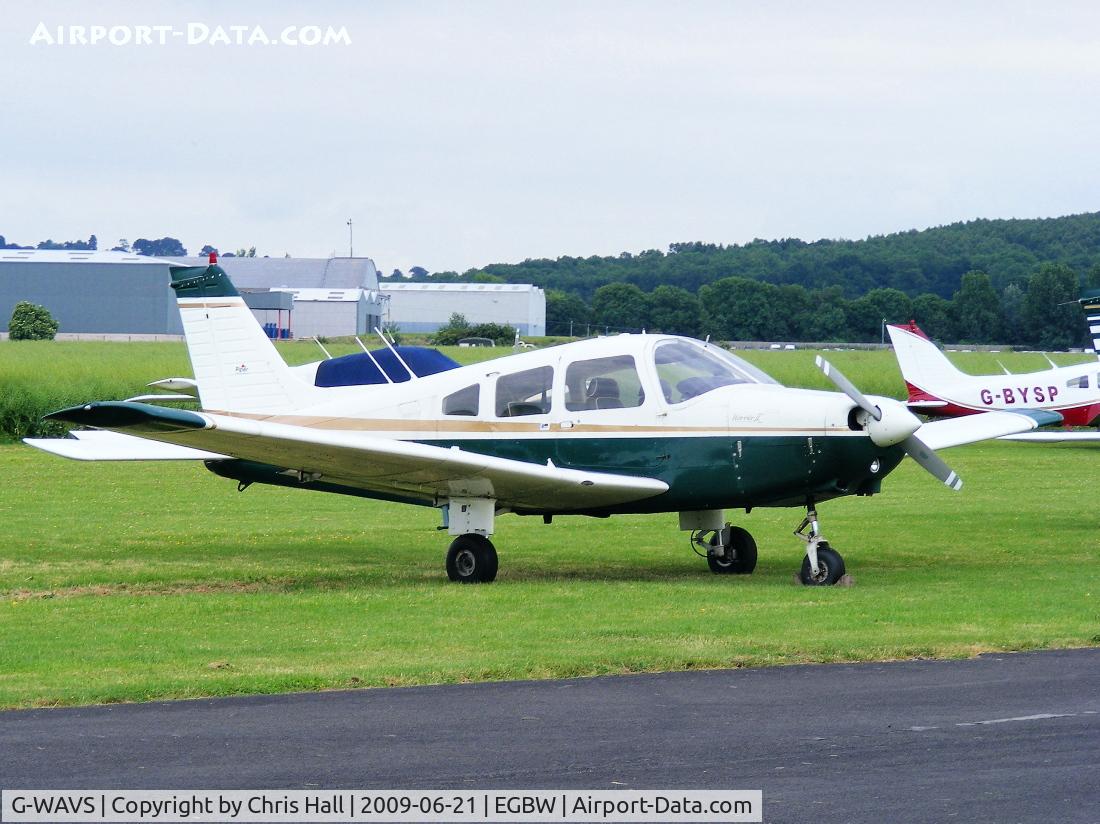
(893, 425)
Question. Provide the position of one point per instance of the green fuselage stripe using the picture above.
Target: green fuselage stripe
(728, 472)
(713, 472)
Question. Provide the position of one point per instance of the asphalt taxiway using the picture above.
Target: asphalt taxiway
(1004, 738)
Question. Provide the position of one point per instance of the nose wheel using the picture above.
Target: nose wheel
(823, 566)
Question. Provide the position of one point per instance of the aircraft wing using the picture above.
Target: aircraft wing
(973, 428)
(367, 462)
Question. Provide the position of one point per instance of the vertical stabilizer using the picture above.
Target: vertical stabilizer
(236, 366)
(924, 367)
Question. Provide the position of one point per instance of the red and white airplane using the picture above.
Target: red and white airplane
(937, 388)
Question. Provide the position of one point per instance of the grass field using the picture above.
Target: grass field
(125, 582)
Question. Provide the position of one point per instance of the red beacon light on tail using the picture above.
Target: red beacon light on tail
(213, 258)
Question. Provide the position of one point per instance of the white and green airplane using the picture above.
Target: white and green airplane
(614, 425)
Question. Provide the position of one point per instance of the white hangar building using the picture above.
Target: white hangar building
(333, 297)
(425, 307)
(122, 293)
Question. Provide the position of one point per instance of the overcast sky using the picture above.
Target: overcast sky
(459, 134)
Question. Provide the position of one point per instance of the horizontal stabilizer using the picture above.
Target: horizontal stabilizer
(175, 384)
(99, 445)
(163, 398)
(140, 417)
(974, 428)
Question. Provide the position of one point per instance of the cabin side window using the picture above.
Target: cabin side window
(463, 402)
(524, 393)
(687, 371)
(603, 383)
(1078, 383)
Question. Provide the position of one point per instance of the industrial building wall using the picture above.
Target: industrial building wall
(368, 321)
(325, 319)
(427, 309)
(94, 297)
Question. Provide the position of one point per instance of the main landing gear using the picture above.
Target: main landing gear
(822, 565)
(730, 550)
(471, 558)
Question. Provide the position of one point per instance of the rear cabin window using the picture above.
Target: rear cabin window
(687, 371)
(463, 402)
(603, 383)
(524, 393)
(1078, 383)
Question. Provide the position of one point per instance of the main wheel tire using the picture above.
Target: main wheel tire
(740, 557)
(472, 559)
(830, 567)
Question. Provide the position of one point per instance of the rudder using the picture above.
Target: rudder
(236, 366)
(923, 366)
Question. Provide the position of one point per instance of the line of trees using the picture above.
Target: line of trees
(931, 261)
(1041, 311)
(983, 281)
(157, 247)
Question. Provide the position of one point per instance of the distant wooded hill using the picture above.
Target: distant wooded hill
(984, 281)
(915, 262)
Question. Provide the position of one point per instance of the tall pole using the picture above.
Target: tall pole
(351, 244)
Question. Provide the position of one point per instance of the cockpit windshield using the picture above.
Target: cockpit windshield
(687, 370)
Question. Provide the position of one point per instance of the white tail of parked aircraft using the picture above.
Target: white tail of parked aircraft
(236, 366)
(937, 387)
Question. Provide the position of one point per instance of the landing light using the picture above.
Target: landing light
(876, 465)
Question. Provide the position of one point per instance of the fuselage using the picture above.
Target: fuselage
(718, 431)
(1072, 391)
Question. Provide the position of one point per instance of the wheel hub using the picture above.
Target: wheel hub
(465, 562)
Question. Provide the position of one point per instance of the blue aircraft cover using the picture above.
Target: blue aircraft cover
(359, 370)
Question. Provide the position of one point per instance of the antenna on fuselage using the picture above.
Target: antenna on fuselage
(1053, 365)
(373, 360)
(1003, 368)
(318, 342)
(396, 354)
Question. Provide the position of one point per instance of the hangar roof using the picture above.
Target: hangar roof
(247, 273)
(386, 286)
(295, 273)
(75, 256)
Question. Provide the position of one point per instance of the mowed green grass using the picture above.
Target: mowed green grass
(127, 582)
(133, 582)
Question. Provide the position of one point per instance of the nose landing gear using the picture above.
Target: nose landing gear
(823, 565)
